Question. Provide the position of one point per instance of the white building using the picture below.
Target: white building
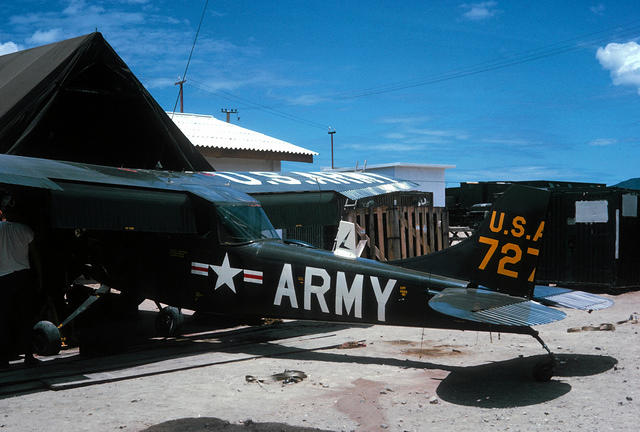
(429, 177)
(228, 147)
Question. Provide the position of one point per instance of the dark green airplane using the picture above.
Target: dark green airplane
(191, 240)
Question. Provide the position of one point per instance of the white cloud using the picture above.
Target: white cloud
(623, 63)
(516, 142)
(440, 133)
(8, 48)
(74, 7)
(79, 6)
(479, 11)
(160, 83)
(513, 173)
(601, 142)
(404, 120)
(307, 100)
(598, 9)
(383, 147)
(44, 37)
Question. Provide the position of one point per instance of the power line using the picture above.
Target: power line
(567, 45)
(495, 64)
(184, 75)
(229, 96)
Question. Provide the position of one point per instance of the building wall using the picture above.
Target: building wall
(430, 179)
(241, 164)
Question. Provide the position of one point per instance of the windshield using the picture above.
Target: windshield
(243, 222)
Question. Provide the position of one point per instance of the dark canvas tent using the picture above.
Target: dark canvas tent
(77, 100)
(632, 183)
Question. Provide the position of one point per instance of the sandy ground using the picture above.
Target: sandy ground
(403, 379)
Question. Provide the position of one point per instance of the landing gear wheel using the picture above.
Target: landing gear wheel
(45, 338)
(169, 321)
(543, 371)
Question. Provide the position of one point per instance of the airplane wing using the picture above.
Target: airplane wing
(107, 198)
(491, 307)
(353, 185)
(43, 173)
(564, 297)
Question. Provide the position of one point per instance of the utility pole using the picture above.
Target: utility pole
(331, 132)
(180, 83)
(228, 112)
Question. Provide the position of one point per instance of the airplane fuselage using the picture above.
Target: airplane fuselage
(274, 279)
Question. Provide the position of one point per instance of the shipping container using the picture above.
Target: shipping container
(590, 238)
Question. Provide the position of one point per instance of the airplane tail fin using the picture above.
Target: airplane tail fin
(503, 253)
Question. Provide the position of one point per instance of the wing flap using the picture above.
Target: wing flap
(564, 297)
(493, 308)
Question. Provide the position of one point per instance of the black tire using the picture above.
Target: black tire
(45, 339)
(169, 321)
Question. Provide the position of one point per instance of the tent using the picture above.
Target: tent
(77, 100)
(632, 183)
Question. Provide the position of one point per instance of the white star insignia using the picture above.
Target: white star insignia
(225, 274)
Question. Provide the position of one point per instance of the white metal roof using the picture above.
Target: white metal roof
(402, 165)
(207, 131)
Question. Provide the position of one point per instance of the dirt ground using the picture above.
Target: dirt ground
(389, 378)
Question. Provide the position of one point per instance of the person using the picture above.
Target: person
(18, 285)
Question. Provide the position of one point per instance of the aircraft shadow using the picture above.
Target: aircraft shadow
(508, 384)
(137, 349)
(501, 384)
(493, 385)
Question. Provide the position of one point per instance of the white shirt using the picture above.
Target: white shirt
(14, 247)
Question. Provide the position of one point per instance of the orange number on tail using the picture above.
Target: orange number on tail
(493, 245)
(509, 259)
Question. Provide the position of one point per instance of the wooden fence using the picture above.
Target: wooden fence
(403, 231)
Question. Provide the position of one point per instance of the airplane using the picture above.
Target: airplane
(191, 240)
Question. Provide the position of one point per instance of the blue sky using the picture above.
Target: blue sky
(503, 90)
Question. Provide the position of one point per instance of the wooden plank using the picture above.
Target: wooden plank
(380, 231)
(421, 229)
(394, 250)
(438, 214)
(445, 227)
(425, 231)
(389, 237)
(430, 224)
(411, 231)
(372, 234)
(402, 223)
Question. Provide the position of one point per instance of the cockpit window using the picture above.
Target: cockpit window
(243, 223)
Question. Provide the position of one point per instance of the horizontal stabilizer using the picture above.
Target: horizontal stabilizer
(493, 308)
(564, 297)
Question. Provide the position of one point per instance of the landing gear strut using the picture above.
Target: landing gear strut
(543, 371)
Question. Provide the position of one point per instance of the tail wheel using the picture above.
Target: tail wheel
(169, 321)
(543, 371)
(45, 338)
